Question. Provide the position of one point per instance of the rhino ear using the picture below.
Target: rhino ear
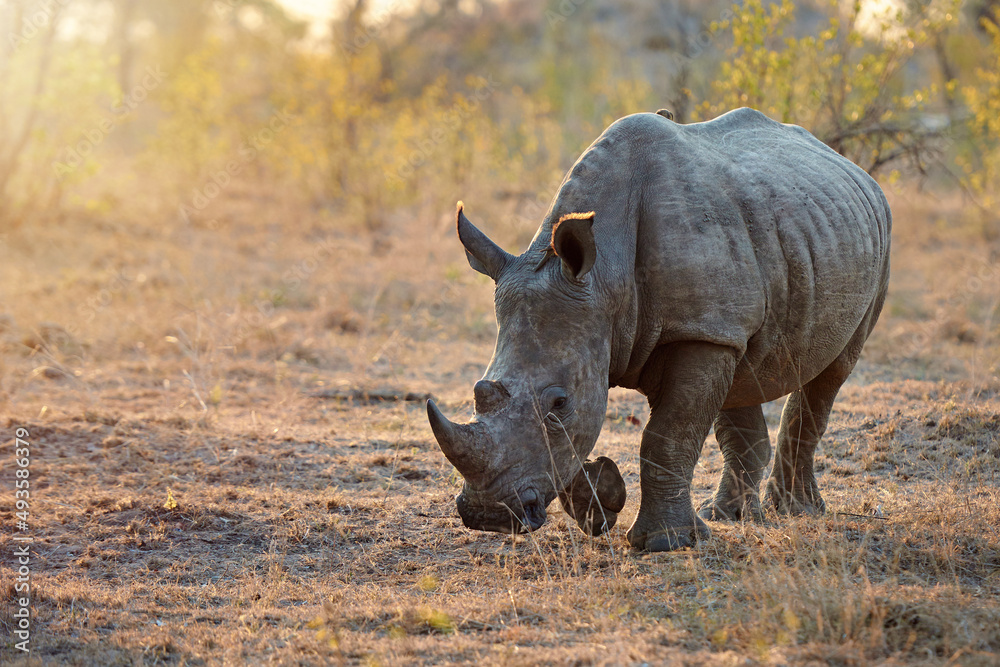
(573, 242)
(483, 254)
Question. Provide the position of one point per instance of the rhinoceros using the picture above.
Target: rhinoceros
(711, 266)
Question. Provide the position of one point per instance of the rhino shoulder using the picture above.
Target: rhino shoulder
(744, 117)
(624, 141)
(639, 126)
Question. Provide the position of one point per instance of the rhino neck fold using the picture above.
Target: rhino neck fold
(598, 183)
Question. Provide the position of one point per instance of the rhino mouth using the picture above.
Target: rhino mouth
(594, 496)
(523, 515)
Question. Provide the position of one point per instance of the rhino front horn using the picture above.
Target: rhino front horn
(457, 441)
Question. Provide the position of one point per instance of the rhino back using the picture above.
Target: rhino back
(739, 231)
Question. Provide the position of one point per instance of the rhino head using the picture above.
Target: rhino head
(541, 403)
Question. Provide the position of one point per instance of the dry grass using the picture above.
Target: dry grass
(238, 371)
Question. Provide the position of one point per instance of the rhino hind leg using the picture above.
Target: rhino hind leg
(792, 487)
(686, 384)
(746, 449)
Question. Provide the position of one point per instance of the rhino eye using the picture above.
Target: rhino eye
(556, 399)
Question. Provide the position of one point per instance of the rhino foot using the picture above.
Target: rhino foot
(595, 496)
(732, 509)
(659, 535)
(802, 499)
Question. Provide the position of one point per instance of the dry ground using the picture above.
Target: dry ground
(217, 477)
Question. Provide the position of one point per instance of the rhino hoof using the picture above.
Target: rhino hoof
(600, 478)
(669, 539)
(712, 510)
(798, 501)
(596, 524)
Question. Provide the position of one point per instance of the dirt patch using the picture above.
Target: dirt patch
(210, 487)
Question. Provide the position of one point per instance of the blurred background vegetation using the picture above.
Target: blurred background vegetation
(382, 111)
(227, 231)
(278, 178)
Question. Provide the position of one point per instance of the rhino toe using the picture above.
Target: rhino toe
(800, 499)
(739, 510)
(667, 538)
(669, 541)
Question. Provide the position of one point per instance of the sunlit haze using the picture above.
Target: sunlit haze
(267, 394)
(325, 9)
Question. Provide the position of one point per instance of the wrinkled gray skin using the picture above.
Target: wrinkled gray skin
(712, 267)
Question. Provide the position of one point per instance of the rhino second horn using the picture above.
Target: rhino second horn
(489, 395)
(456, 441)
(483, 254)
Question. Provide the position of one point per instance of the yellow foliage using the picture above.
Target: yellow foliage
(841, 85)
(359, 140)
(436, 619)
(982, 169)
(428, 583)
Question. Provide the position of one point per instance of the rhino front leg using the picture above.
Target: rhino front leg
(686, 384)
(746, 450)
